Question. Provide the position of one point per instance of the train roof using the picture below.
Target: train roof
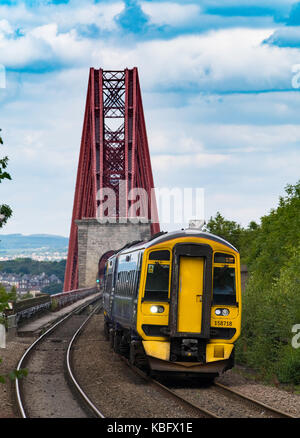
(165, 236)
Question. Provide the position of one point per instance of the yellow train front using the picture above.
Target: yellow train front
(174, 303)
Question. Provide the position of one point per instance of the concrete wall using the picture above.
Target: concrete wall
(96, 238)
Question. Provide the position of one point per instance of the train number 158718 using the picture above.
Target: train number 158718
(223, 323)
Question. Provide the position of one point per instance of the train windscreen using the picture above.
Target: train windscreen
(224, 285)
(157, 283)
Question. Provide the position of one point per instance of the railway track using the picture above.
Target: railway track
(252, 408)
(170, 393)
(51, 390)
(257, 405)
(225, 402)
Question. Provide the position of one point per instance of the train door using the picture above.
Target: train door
(191, 290)
(190, 294)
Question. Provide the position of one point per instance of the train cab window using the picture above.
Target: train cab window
(224, 285)
(157, 282)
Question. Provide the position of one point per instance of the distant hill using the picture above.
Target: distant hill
(16, 243)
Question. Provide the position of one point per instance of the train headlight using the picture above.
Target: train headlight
(157, 309)
(223, 312)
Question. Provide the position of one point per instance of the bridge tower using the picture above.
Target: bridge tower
(114, 159)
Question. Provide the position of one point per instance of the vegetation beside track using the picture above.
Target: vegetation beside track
(271, 300)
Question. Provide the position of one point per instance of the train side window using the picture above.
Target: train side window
(124, 282)
(131, 282)
(157, 282)
(224, 285)
(108, 283)
(127, 285)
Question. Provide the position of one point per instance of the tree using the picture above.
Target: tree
(5, 213)
(5, 210)
(5, 298)
(228, 230)
(271, 300)
(278, 234)
(30, 266)
(241, 238)
(54, 288)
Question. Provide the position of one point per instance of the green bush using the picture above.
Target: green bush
(271, 301)
(270, 311)
(288, 366)
(54, 305)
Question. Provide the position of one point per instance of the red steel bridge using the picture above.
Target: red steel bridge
(114, 148)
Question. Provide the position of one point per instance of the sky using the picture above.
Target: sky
(220, 85)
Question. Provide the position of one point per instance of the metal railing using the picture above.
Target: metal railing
(26, 309)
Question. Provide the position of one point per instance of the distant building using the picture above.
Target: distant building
(26, 283)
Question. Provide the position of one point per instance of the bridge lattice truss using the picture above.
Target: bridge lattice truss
(114, 148)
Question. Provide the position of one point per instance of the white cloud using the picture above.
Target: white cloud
(220, 61)
(65, 15)
(102, 14)
(187, 162)
(239, 138)
(5, 28)
(45, 43)
(165, 140)
(170, 13)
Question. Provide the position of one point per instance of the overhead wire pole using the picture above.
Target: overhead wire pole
(114, 148)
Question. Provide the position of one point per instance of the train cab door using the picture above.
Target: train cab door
(191, 291)
(190, 294)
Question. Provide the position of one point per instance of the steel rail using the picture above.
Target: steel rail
(257, 404)
(168, 391)
(183, 400)
(71, 374)
(250, 400)
(31, 347)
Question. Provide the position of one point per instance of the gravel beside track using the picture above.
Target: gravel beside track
(275, 397)
(217, 400)
(10, 357)
(45, 392)
(112, 386)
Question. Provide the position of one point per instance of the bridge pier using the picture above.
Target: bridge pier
(96, 237)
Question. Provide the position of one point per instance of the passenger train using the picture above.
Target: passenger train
(173, 303)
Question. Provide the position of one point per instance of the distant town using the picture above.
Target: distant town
(32, 264)
(27, 283)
